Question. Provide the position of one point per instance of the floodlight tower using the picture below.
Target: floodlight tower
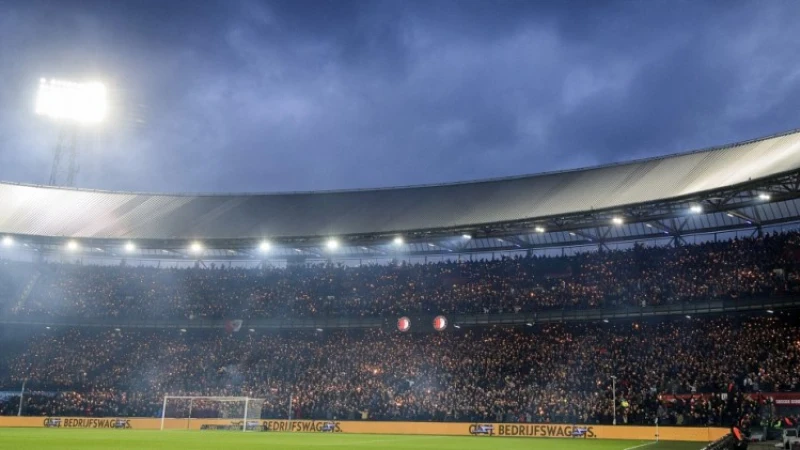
(74, 106)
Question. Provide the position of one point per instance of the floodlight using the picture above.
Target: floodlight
(83, 103)
(696, 209)
(764, 196)
(466, 236)
(332, 244)
(196, 247)
(8, 241)
(72, 246)
(617, 220)
(398, 240)
(130, 247)
(540, 229)
(264, 246)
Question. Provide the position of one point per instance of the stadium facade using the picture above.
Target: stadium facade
(744, 187)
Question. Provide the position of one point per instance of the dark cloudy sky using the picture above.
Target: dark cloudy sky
(301, 95)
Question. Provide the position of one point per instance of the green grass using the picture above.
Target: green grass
(51, 439)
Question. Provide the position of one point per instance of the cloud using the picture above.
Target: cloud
(300, 95)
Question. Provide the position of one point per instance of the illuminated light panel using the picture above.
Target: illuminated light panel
(130, 247)
(398, 241)
(72, 246)
(617, 221)
(196, 247)
(696, 209)
(8, 241)
(83, 103)
(264, 246)
(332, 244)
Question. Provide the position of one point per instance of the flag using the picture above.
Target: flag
(232, 326)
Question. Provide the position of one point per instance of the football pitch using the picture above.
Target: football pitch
(48, 439)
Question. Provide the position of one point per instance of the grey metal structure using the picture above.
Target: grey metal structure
(748, 185)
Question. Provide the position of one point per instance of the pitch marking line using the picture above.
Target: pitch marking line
(367, 442)
(641, 445)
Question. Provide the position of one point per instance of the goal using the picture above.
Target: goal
(189, 408)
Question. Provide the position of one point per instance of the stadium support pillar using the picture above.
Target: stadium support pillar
(21, 397)
(614, 399)
(291, 397)
(189, 419)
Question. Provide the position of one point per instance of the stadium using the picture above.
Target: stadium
(652, 303)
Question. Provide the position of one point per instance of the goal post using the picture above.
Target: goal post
(246, 409)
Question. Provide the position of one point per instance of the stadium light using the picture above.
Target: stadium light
(264, 246)
(769, 311)
(616, 220)
(332, 244)
(540, 229)
(72, 246)
(764, 196)
(466, 236)
(196, 247)
(82, 103)
(398, 240)
(8, 241)
(696, 209)
(130, 247)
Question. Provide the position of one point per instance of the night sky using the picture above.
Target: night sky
(300, 95)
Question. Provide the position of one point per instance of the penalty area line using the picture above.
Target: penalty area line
(642, 445)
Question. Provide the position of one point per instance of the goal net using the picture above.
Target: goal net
(244, 413)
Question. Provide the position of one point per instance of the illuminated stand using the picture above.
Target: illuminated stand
(74, 106)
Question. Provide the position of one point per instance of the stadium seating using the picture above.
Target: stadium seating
(543, 373)
(552, 373)
(736, 269)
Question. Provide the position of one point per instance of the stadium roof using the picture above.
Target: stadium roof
(742, 184)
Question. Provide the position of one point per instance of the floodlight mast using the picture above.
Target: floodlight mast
(74, 106)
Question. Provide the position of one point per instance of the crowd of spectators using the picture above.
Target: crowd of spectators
(759, 266)
(553, 373)
(543, 373)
